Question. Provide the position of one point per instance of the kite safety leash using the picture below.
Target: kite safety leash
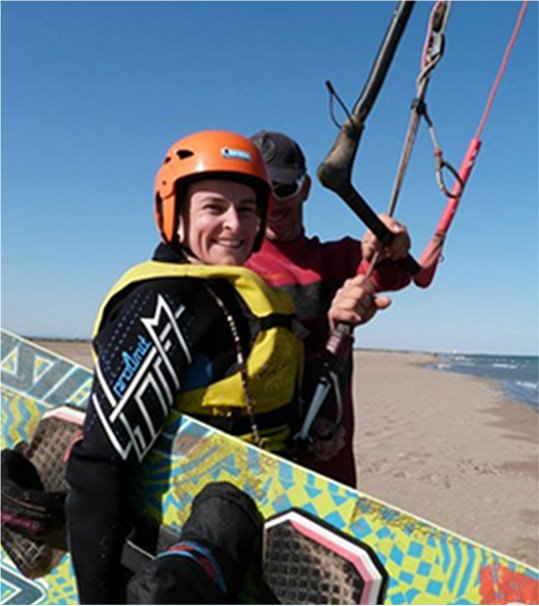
(432, 54)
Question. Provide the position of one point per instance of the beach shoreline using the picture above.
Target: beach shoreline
(449, 448)
(446, 447)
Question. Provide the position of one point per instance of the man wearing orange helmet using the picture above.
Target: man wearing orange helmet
(183, 331)
(327, 283)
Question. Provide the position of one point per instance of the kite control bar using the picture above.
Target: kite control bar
(335, 171)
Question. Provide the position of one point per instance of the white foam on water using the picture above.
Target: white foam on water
(527, 384)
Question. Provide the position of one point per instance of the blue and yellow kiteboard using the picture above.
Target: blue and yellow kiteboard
(423, 563)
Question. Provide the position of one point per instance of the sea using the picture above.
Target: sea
(518, 376)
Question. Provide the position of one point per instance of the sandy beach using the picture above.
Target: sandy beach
(449, 448)
(443, 446)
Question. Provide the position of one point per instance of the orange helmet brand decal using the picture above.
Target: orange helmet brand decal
(237, 154)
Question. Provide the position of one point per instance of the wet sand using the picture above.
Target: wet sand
(449, 448)
(443, 446)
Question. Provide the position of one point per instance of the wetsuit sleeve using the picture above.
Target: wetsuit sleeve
(388, 275)
(142, 351)
(347, 256)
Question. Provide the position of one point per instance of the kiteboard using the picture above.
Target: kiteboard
(419, 562)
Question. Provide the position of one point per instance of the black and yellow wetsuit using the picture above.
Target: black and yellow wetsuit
(173, 335)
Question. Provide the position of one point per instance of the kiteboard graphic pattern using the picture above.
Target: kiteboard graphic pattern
(425, 563)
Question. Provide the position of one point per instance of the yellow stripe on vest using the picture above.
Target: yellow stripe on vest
(261, 299)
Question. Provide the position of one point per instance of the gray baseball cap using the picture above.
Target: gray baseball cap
(282, 155)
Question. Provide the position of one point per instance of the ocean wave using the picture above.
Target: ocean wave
(518, 376)
(527, 385)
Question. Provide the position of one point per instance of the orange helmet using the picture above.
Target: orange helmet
(206, 155)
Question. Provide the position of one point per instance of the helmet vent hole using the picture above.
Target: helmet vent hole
(184, 153)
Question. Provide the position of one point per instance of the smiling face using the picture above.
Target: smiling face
(285, 220)
(285, 216)
(219, 221)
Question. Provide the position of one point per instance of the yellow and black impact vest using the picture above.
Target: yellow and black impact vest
(274, 364)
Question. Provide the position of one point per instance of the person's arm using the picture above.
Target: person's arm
(95, 511)
(141, 352)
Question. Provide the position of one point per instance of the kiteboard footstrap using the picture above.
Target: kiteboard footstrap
(33, 491)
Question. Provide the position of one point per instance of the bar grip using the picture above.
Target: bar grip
(338, 181)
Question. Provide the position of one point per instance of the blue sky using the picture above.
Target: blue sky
(93, 93)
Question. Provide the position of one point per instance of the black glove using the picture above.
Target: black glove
(218, 559)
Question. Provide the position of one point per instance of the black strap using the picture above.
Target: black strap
(275, 320)
(238, 423)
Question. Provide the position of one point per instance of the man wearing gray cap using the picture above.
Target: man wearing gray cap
(327, 283)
